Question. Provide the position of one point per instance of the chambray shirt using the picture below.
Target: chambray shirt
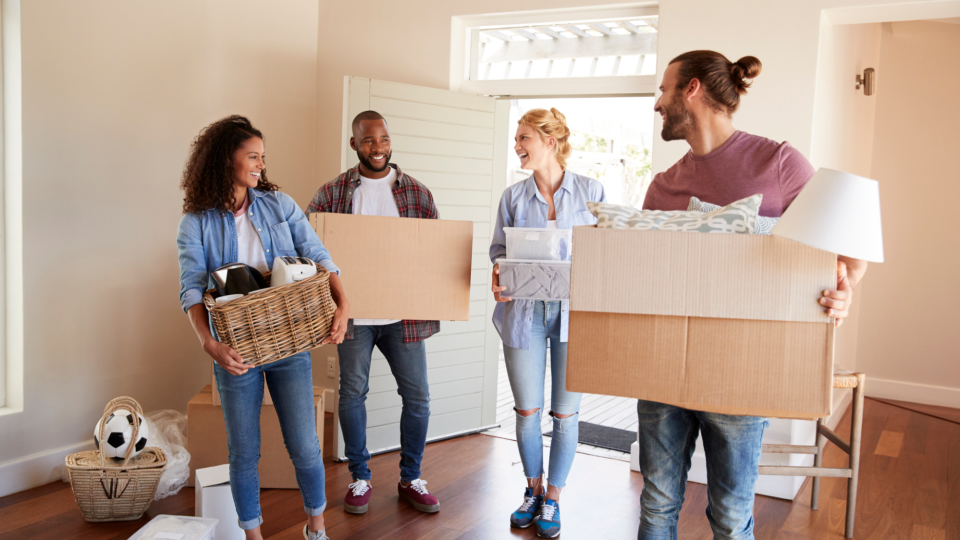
(522, 205)
(208, 241)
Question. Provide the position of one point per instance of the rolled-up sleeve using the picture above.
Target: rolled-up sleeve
(193, 269)
(505, 218)
(305, 239)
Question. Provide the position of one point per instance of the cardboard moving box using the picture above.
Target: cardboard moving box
(207, 440)
(724, 323)
(401, 268)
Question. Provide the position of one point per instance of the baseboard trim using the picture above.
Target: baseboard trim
(37, 469)
(926, 394)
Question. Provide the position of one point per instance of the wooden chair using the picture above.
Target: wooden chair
(842, 378)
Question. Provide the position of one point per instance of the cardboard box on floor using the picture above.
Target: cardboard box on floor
(207, 440)
(401, 268)
(724, 323)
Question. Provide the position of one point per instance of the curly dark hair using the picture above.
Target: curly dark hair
(208, 176)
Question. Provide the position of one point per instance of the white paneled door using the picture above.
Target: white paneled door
(447, 141)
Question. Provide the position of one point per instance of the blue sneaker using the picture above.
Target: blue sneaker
(529, 510)
(549, 524)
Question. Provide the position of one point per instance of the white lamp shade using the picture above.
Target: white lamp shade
(837, 212)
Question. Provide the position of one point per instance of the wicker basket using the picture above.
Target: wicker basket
(276, 322)
(108, 490)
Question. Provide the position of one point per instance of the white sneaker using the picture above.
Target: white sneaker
(307, 535)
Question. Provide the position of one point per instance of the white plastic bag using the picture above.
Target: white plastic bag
(168, 429)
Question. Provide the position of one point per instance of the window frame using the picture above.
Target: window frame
(462, 44)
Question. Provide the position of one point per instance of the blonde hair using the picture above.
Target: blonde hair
(547, 124)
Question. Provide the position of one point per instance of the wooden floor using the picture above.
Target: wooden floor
(909, 489)
(604, 410)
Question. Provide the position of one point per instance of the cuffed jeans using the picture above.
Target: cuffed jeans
(291, 386)
(667, 439)
(408, 363)
(526, 369)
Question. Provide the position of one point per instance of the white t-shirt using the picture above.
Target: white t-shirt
(374, 197)
(249, 246)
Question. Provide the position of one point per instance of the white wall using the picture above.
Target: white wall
(113, 93)
(909, 328)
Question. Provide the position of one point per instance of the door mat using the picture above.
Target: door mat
(605, 437)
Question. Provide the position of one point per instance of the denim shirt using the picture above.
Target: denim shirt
(208, 241)
(522, 205)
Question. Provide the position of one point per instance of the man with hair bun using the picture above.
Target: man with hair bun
(375, 187)
(700, 92)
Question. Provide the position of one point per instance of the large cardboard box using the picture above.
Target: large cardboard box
(722, 323)
(401, 268)
(207, 440)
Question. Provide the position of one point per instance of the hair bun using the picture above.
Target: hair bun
(748, 67)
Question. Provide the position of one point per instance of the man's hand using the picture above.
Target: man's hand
(838, 302)
(496, 288)
(339, 327)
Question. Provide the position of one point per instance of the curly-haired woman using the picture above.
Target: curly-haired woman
(232, 213)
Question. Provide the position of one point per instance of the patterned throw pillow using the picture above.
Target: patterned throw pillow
(738, 217)
(764, 224)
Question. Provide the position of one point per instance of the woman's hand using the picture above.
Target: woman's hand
(342, 315)
(496, 288)
(838, 302)
(228, 358)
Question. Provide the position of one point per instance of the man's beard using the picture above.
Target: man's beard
(366, 162)
(677, 121)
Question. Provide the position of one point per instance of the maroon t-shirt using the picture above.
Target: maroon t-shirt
(745, 165)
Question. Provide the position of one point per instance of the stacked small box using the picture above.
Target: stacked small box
(537, 266)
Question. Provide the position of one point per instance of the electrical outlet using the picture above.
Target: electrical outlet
(331, 367)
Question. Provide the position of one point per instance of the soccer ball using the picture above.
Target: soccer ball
(117, 435)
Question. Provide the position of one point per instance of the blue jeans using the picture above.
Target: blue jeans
(291, 385)
(408, 363)
(667, 438)
(526, 369)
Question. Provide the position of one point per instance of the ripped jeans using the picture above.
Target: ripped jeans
(526, 369)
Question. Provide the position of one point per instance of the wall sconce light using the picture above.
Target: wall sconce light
(868, 81)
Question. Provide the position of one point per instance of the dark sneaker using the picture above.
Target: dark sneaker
(549, 524)
(358, 497)
(307, 535)
(416, 494)
(523, 517)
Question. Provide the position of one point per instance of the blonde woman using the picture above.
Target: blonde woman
(552, 197)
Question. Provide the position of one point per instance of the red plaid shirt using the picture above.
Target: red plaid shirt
(413, 200)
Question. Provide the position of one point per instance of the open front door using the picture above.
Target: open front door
(446, 140)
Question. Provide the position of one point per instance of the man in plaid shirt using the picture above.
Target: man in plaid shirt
(375, 187)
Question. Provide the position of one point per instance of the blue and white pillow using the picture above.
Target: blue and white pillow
(737, 217)
(764, 224)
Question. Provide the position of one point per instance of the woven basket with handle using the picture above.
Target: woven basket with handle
(277, 322)
(113, 490)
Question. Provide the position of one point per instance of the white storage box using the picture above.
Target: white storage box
(532, 244)
(166, 527)
(535, 280)
(214, 500)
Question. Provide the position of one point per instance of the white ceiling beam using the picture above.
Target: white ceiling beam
(653, 23)
(524, 33)
(573, 29)
(499, 35)
(588, 47)
(602, 28)
(629, 27)
(550, 32)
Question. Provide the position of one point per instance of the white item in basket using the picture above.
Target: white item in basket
(536, 244)
(535, 280)
(166, 527)
(228, 297)
(290, 269)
